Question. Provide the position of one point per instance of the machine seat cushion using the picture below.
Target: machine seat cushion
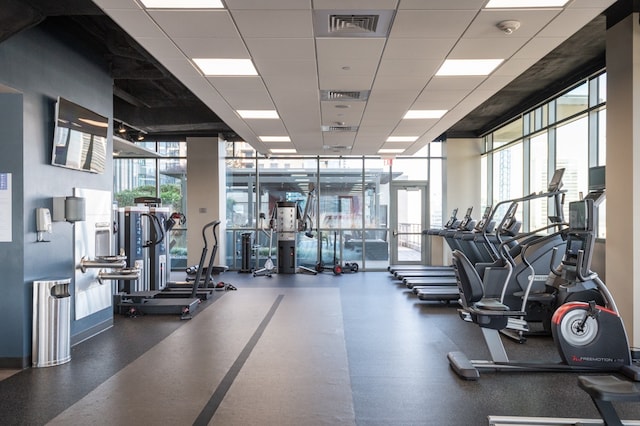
(491, 305)
(609, 388)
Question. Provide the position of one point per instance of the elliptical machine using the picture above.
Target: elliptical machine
(588, 337)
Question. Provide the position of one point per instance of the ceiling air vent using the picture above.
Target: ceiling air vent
(336, 148)
(344, 95)
(339, 128)
(352, 23)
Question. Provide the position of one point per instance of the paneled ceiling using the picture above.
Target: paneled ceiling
(341, 92)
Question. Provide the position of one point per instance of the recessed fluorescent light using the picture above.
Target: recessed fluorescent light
(254, 113)
(424, 113)
(516, 4)
(402, 138)
(274, 138)
(182, 4)
(390, 151)
(283, 151)
(458, 67)
(225, 67)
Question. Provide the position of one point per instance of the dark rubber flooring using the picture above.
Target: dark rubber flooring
(352, 349)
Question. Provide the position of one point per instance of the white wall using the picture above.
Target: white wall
(623, 170)
(205, 195)
(462, 179)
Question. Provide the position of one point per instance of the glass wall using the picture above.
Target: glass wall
(565, 132)
(349, 207)
(159, 177)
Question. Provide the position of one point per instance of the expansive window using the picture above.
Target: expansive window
(567, 131)
(162, 176)
(538, 179)
(348, 200)
(349, 206)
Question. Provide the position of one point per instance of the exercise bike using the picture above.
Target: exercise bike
(588, 337)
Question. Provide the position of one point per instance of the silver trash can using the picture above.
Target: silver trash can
(51, 343)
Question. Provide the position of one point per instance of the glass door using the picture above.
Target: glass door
(409, 217)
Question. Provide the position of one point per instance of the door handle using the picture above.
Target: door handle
(394, 233)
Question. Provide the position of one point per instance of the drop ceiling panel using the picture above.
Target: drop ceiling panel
(431, 24)
(273, 23)
(446, 99)
(338, 138)
(349, 48)
(195, 23)
(354, 4)
(161, 48)
(288, 80)
(418, 48)
(442, 4)
(301, 49)
(391, 95)
(531, 22)
(201, 47)
(515, 67)
(391, 82)
(537, 48)
(267, 127)
(351, 116)
(477, 48)
(358, 68)
(271, 4)
(569, 22)
(243, 92)
(597, 4)
(135, 22)
(273, 69)
(347, 82)
(413, 127)
(445, 83)
(409, 68)
(117, 4)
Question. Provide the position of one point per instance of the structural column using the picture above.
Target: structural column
(623, 170)
(206, 194)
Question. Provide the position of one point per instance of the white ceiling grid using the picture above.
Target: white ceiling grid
(294, 64)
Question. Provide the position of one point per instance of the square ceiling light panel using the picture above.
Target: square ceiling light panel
(211, 67)
(417, 114)
(519, 4)
(258, 114)
(402, 138)
(274, 138)
(468, 67)
(182, 4)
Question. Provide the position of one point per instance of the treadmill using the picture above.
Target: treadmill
(133, 240)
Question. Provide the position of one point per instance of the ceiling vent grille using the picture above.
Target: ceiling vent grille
(336, 148)
(344, 95)
(339, 128)
(352, 23)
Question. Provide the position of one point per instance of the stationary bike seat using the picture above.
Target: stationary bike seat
(609, 388)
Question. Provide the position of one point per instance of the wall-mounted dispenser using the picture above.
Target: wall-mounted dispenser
(70, 209)
(43, 223)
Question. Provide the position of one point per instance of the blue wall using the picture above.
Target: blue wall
(39, 67)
